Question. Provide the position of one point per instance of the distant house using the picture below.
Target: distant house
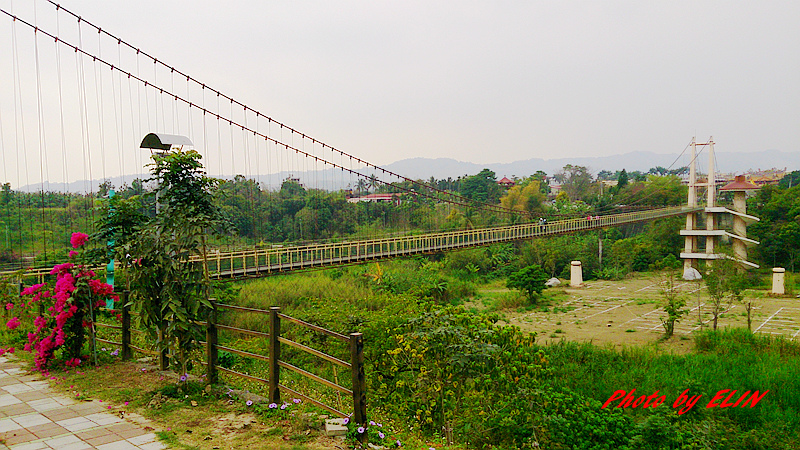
(376, 198)
(766, 177)
(506, 183)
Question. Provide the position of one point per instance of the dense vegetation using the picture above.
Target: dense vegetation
(436, 366)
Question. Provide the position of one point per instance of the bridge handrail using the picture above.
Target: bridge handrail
(314, 255)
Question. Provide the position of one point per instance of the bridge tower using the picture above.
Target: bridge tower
(691, 254)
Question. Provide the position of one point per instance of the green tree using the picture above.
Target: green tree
(530, 280)
(673, 303)
(528, 198)
(482, 187)
(576, 181)
(171, 290)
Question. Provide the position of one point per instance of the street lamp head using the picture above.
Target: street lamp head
(160, 142)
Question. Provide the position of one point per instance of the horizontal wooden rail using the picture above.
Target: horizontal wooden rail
(242, 375)
(316, 378)
(316, 353)
(106, 341)
(312, 401)
(315, 328)
(244, 353)
(105, 325)
(241, 308)
(243, 331)
(145, 351)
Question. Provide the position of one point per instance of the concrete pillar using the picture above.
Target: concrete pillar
(576, 274)
(739, 226)
(778, 279)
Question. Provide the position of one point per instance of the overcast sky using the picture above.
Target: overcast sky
(489, 81)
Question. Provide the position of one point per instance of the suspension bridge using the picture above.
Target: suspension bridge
(75, 101)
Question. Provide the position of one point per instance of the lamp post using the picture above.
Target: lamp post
(160, 144)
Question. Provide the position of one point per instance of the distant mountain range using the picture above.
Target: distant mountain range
(424, 168)
(736, 163)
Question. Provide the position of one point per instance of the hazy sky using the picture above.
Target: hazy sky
(489, 81)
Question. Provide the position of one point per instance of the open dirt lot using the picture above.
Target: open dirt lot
(622, 313)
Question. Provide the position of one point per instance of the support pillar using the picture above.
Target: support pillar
(576, 274)
(778, 281)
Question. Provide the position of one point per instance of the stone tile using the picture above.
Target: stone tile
(44, 404)
(32, 446)
(103, 418)
(76, 446)
(18, 409)
(62, 441)
(32, 395)
(48, 430)
(31, 420)
(143, 439)
(93, 433)
(122, 427)
(7, 380)
(8, 399)
(86, 408)
(8, 425)
(153, 446)
(39, 384)
(77, 424)
(60, 414)
(121, 445)
(19, 437)
(105, 439)
(132, 433)
(17, 388)
(66, 401)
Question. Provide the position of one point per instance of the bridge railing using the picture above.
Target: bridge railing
(264, 261)
(259, 262)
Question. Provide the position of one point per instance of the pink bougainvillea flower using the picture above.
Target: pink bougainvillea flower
(78, 239)
(72, 254)
(9, 306)
(13, 323)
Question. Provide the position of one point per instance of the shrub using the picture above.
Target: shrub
(529, 280)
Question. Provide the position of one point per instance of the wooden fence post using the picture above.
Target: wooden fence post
(274, 354)
(127, 352)
(212, 354)
(359, 382)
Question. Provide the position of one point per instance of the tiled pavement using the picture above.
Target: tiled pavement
(34, 417)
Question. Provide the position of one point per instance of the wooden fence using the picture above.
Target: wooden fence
(273, 360)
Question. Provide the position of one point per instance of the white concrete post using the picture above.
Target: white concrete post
(778, 281)
(576, 274)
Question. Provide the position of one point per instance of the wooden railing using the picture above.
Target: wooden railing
(273, 359)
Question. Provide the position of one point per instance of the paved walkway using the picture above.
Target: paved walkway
(34, 417)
